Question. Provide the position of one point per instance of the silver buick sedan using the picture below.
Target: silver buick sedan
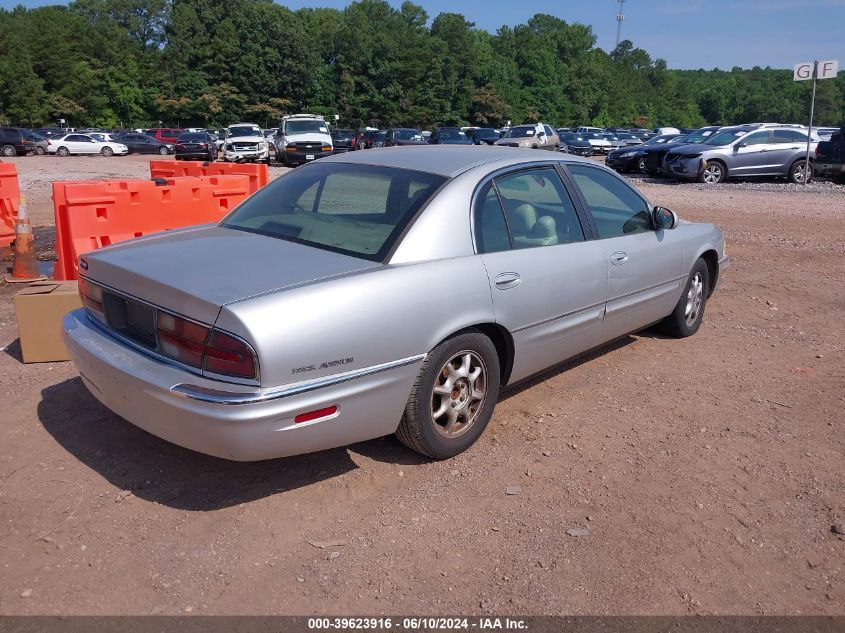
(379, 292)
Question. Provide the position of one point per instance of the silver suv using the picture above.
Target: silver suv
(743, 151)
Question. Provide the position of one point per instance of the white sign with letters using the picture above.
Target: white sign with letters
(827, 70)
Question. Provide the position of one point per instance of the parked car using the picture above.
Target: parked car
(302, 138)
(143, 144)
(375, 139)
(15, 141)
(600, 144)
(654, 156)
(662, 131)
(449, 136)
(532, 136)
(830, 157)
(575, 143)
(164, 134)
(342, 141)
(628, 138)
(361, 137)
(402, 136)
(615, 142)
(539, 269)
(482, 135)
(633, 159)
(743, 151)
(586, 129)
(245, 143)
(84, 144)
(40, 141)
(195, 146)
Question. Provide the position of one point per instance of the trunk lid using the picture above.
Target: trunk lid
(195, 271)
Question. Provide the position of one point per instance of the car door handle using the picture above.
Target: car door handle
(507, 280)
(618, 258)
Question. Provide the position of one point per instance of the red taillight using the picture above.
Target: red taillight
(179, 146)
(181, 339)
(91, 295)
(315, 415)
(204, 348)
(229, 356)
(204, 145)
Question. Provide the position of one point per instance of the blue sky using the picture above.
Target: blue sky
(686, 33)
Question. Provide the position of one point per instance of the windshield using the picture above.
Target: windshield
(593, 135)
(407, 135)
(453, 135)
(658, 140)
(244, 130)
(725, 137)
(192, 136)
(522, 131)
(306, 126)
(626, 137)
(359, 210)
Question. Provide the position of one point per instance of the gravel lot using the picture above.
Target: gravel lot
(654, 476)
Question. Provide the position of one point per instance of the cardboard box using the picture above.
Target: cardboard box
(40, 308)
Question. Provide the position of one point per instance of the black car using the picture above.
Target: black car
(483, 135)
(195, 146)
(375, 139)
(449, 136)
(400, 136)
(142, 144)
(655, 154)
(574, 143)
(633, 159)
(342, 141)
(15, 141)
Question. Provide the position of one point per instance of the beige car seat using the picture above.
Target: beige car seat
(529, 230)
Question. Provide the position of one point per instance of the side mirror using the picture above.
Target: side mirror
(664, 218)
(742, 144)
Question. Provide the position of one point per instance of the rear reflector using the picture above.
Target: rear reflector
(315, 415)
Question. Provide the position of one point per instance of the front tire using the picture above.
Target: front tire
(107, 151)
(713, 173)
(688, 313)
(799, 172)
(641, 166)
(453, 397)
(163, 150)
(8, 151)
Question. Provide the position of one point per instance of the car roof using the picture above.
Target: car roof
(447, 160)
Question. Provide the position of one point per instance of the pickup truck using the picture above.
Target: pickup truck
(830, 160)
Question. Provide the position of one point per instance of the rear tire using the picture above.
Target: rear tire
(688, 313)
(8, 151)
(799, 170)
(453, 397)
(40, 151)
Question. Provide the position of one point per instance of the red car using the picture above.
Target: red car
(164, 134)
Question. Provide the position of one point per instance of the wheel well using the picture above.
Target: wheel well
(502, 341)
(712, 260)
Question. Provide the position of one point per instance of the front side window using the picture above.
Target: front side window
(617, 209)
(358, 210)
(758, 138)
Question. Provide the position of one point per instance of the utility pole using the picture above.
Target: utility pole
(619, 20)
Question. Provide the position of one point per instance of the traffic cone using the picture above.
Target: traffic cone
(25, 267)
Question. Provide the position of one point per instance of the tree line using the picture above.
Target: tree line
(206, 63)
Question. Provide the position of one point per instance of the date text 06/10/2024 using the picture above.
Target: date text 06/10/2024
(417, 624)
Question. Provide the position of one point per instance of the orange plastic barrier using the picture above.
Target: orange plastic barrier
(92, 214)
(258, 173)
(10, 197)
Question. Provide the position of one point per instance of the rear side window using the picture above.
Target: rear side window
(617, 209)
(359, 210)
(788, 136)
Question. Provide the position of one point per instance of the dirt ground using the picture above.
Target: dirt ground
(707, 472)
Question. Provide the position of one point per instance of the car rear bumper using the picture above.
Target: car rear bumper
(200, 155)
(230, 421)
(822, 168)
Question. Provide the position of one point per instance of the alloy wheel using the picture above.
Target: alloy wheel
(459, 394)
(695, 296)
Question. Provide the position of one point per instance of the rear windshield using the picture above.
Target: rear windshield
(359, 210)
(193, 136)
